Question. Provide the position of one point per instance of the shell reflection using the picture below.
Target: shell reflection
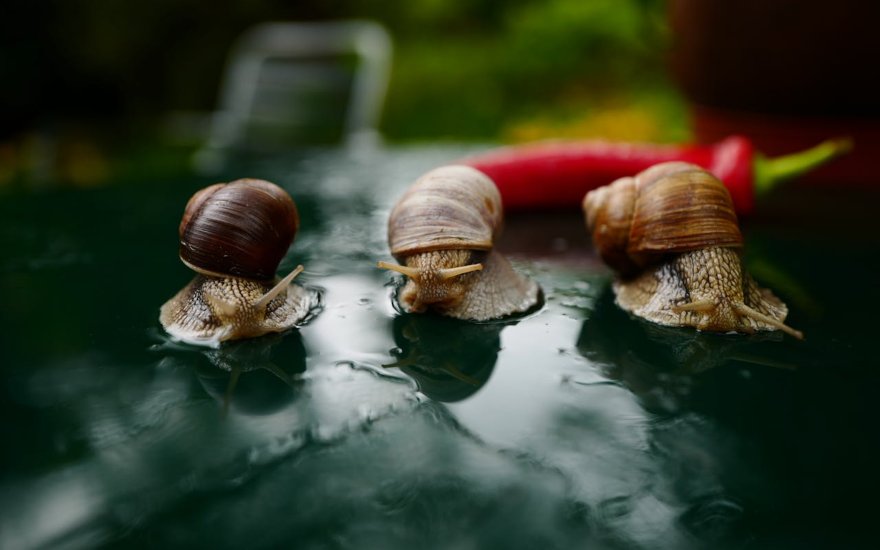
(657, 363)
(254, 377)
(450, 360)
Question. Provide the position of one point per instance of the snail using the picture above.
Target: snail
(234, 235)
(672, 236)
(441, 232)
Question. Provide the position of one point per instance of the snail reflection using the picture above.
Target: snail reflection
(658, 363)
(255, 377)
(449, 360)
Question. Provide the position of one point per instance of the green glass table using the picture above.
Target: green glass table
(575, 426)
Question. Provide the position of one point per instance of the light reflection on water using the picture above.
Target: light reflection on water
(368, 428)
(543, 425)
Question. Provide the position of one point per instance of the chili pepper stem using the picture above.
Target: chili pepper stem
(769, 172)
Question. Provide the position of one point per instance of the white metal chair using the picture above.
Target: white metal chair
(297, 84)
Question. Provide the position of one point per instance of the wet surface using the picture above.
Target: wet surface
(574, 426)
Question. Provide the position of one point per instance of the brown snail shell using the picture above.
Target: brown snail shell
(239, 229)
(234, 235)
(442, 232)
(672, 236)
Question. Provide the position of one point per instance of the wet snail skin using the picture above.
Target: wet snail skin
(441, 232)
(672, 237)
(234, 235)
(670, 233)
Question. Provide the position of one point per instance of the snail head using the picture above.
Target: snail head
(245, 305)
(434, 278)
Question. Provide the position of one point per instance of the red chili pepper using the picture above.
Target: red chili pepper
(558, 175)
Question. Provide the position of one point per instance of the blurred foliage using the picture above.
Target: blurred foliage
(531, 70)
(109, 71)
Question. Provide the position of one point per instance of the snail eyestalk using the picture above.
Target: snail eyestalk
(223, 308)
(746, 311)
(702, 307)
(444, 274)
(410, 272)
(451, 272)
(278, 289)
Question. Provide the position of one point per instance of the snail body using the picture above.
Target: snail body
(672, 236)
(442, 232)
(234, 235)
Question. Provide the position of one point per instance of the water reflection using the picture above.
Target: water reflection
(586, 429)
(656, 362)
(449, 359)
(246, 375)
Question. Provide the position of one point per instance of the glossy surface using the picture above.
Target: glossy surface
(576, 426)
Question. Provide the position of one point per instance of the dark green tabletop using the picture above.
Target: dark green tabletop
(576, 426)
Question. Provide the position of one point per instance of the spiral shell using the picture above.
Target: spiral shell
(239, 229)
(671, 234)
(442, 232)
(452, 207)
(667, 209)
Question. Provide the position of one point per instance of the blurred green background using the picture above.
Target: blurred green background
(93, 87)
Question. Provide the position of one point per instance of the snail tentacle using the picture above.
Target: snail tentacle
(282, 285)
(222, 307)
(746, 311)
(701, 306)
(443, 273)
(410, 272)
(450, 272)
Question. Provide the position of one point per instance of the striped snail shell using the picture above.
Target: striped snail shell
(672, 236)
(448, 208)
(442, 232)
(239, 229)
(234, 235)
